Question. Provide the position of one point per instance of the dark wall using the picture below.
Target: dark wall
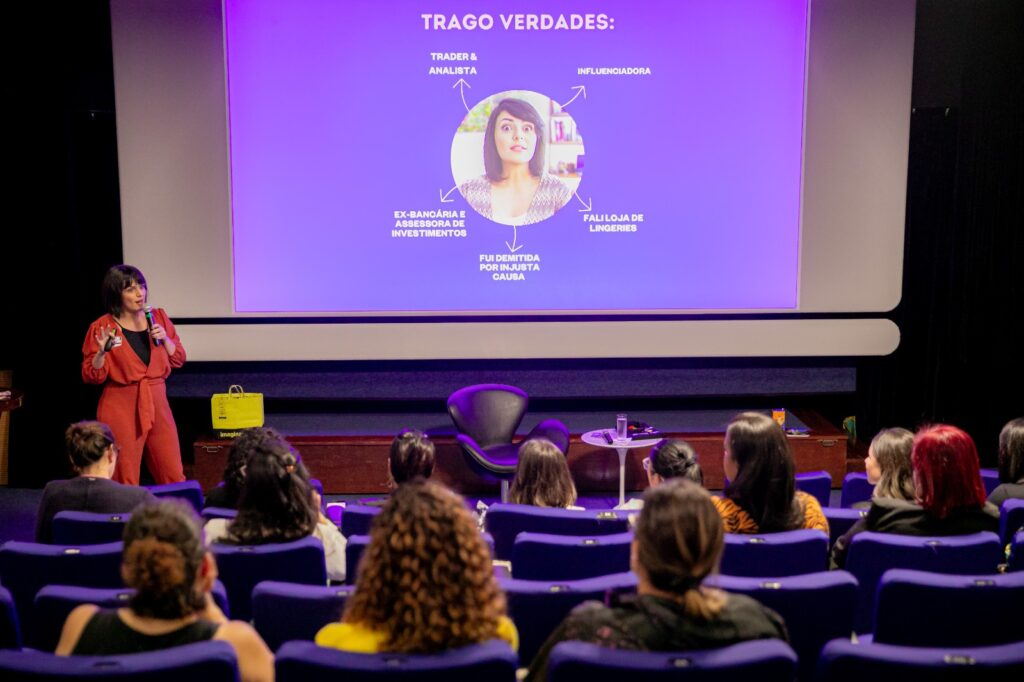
(962, 270)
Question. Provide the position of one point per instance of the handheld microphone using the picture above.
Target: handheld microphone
(149, 322)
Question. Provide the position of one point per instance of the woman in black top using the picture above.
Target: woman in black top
(172, 573)
(1011, 463)
(678, 542)
(93, 455)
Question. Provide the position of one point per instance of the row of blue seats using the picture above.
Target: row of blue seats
(915, 609)
(765, 660)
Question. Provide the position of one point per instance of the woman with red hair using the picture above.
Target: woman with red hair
(950, 498)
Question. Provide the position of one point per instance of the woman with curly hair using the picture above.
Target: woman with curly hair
(226, 495)
(542, 477)
(950, 498)
(172, 574)
(426, 582)
(278, 504)
(677, 543)
(761, 496)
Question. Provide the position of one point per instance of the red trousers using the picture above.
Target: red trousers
(127, 410)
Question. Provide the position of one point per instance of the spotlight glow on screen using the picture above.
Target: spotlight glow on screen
(656, 164)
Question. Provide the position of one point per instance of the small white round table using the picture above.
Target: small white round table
(597, 438)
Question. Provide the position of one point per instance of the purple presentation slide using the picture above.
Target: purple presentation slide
(480, 156)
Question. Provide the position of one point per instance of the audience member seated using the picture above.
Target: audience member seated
(888, 465)
(670, 458)
(426, 583)
(950, 496)
(678, 542)
(542, 477)
(93, 454)
(1011, 463)
(172, 573)
(411, 456)
(226, 496)
(278, 504)
(761, 496)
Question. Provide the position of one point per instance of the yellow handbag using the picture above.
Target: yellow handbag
(236, 410)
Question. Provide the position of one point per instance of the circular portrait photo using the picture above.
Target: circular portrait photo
(517, 158)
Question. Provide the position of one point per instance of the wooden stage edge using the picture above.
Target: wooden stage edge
(358, 464)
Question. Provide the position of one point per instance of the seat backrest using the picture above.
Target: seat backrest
(354, 548)
(816, 607)
(492, 661)
(356, 519)
(282, 612)
(190, 491)
(840, 520)
(210, 661)
(538, 606)
(990, 479)
(816, 483)
(25, 567)
(506, 521)
(872, 554)
(1011, 519)
(488, 413)
(241, 567)
(53, 603)
(843, 661)
(10, 625)
(914, 608)
(218, 513)
(762, 660)
(855, 489)
(542, 556)
(87, 528)
(765, 555)
(1016, 560)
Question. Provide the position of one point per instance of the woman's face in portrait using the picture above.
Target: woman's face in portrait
(133, 298)
(515, 139)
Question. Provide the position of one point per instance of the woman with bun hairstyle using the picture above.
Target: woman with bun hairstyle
(542, 477)
(130, 351)
(172, 574)
(278, 504)
(669, 458)
(949, 500)
(411, 456)
(93, 454)
(426, 583)
(761, 496)
(678, 541)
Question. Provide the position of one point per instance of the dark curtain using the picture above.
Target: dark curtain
(963, 289)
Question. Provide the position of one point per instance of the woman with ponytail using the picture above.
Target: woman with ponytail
(172, 574)
(92, 454)
(278, 504)
(678, 542)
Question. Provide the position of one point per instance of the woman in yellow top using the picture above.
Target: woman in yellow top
(426, 583)
(761, 496)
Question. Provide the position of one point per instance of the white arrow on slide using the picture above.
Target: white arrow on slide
(462, 84)
(580, 90)
(512, 247)
(586, 204)
(444, 196)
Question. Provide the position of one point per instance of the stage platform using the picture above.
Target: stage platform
(348, 452)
